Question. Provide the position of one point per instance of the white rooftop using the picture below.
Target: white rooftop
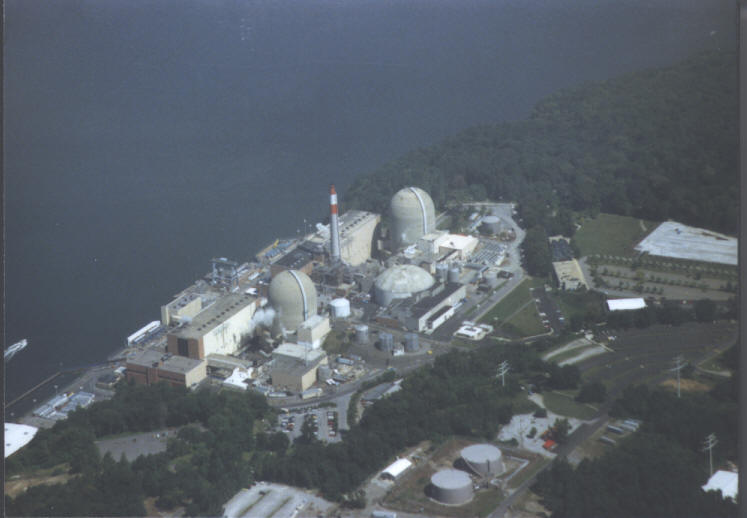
(672, 239)
(396, 468)
(298, 352)
(625, 304)
(238, 377)
(725, 481)
(17, 436)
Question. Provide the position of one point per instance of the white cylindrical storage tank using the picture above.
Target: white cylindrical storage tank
(386, 342)
(293, 296)
(411, 342)
(361, 334)
(483, 459)
(442, 270)
(412, 216)
(340, 308)
(451, 486)
(454, 274)
(401, 282)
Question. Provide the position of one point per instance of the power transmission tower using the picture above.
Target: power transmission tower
(503, 369)
(708, 444)
(679, 364)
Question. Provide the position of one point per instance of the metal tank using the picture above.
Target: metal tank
(412, 216)
(324, 372)
(454, 274)
(491, 225)
(411, 342)
(401, 282)
(340, 308)
(442, 271)
(361, 334)
(451, 486)
(483, 459)
(386, 342)
(293, 296)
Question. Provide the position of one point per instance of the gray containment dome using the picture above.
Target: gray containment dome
(412, 216)
(483, 459)
(293, 296)
(400, 282)
(411, 342)
(451, 486)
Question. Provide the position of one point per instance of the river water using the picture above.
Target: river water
(144, 138)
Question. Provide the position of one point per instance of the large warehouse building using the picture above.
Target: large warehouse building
(430, 312)
(220, 328)
(150, 367)
(294, 367)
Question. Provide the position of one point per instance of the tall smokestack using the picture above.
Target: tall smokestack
(334, 235)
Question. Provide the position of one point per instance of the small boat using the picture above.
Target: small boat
(13, 349)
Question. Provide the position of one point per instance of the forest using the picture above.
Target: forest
(654, 144)
(659, 470)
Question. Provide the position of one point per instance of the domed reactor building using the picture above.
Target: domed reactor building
(413, 215)
(293, 296)
(401, 282)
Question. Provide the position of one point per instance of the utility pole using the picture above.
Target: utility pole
(503, 369)
(708, 444)
(679, 364)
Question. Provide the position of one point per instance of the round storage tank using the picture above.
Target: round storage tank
(386, 342)
(293, 296)
(413, 215)
(451, 486)
(411, 342)
(483, 459)
(340, 308)
(400, 282)
(361, 334)
(442, 270)
(491, 225)
(454, 274)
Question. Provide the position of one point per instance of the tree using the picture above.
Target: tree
(561, 427)
(594, 392)
(705, 310)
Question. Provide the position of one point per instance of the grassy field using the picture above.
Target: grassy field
(611, 235)
(519, 296)
(528, 471)
(564, 405)
(526, 322)
(336, 343)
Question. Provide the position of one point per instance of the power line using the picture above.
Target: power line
(679, 364)
(708, 445)
(503, 369)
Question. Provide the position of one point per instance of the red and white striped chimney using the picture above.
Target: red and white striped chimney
(334, 235)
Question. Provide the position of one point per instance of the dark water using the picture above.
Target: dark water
(144, 138)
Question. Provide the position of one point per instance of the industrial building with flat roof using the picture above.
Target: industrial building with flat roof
(294, 367)
(625, 304)
(569, 275)
(151, 366)
(430, 312)
(220, 328)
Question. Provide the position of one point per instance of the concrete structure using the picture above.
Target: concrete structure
(298, 260)
(412, 215)
(361, 334)
(429, 313)
(569, 275)
(386, 342)
(625, 304)
(294, 367)
(411, 342)
(396, 469)
(441, 243)
(17, 436)
(334, 232)
(239, 378)
(725, 481)
(219, 329)
(451, 486)
(483, 459)
(293, 296)
(401, 282)
(340, 308)
(181, 309)
(672, 239)
(356, 228)
(152, 366)
(313, 331)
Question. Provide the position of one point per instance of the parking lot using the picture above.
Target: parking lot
(132, 446)
(325, 423)
(549, 313)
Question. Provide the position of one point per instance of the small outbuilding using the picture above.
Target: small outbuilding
(396, 469)
(725, 481)
(625, 304)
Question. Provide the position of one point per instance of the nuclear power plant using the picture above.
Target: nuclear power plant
(381, 285)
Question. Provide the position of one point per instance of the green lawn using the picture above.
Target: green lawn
(611, 235)
(519, 296)
(526, 322)
(566, 406)
(532, 468)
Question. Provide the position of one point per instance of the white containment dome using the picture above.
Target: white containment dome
(413, 215)
(451, 486)
(293, 296)
(401, 281)
(483, 459)
(340, 308)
